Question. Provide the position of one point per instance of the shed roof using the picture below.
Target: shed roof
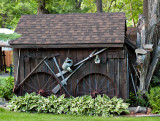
(131, 37)
(132, 34)
(71, 30)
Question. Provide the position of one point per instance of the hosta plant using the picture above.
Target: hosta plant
(84, 105)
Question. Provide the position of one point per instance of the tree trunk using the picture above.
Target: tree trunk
(147, 68)
(145, 10)
(153, 12)
(141, 54)
(154, 37)
(153, 66)
(78, 4)
(41, 7)
(99, 6)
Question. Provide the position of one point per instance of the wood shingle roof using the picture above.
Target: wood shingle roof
(71, 30)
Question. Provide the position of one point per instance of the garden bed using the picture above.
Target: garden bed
(141, 115)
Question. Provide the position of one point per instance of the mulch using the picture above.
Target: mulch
(132, 114)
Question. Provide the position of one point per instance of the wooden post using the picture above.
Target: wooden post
(4, 61)
(1, 61)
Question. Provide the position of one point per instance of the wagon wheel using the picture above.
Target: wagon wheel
(39, 82)
(96, 84)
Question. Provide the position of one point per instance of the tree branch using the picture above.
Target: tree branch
(78, 4)
(132, 14)
(109, 8)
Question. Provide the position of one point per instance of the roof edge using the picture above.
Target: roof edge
(75, 14)
(67, 46)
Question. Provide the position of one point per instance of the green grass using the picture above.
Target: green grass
(14, 116)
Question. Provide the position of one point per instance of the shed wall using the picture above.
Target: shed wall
(113, 64)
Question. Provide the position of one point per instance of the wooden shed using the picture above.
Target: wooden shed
(94, 42)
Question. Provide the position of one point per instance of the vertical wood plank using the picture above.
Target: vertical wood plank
(116, 74)
(111, 75)
(103, 64)
(123, 79)
(86, 67)
(80, 70)
(15, 62)
(33, 59)
(21, 65)
(27, 63)
(72, 80)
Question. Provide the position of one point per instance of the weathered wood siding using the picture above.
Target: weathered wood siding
(113, 64)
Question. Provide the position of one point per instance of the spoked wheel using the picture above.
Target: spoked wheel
(41, 83)
(96, 84)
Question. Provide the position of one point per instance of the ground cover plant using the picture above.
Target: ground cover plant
(15, 116)
(2, 81)
(84, 105)
(6, 87)
(154, 99)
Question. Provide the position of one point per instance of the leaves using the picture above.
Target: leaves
(154, 99)
(117, 6)
(12, 10)
(6, 89)
(85, 105)
(6, 37)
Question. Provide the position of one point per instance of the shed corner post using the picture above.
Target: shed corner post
(15, 63)
(127, 74)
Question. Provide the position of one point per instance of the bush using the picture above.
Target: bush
(85, 105)
(6, 89)
(155, 80)
(154, 99)
(139, 100)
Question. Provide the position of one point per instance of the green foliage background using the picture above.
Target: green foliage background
(11, 10)
(6, 37)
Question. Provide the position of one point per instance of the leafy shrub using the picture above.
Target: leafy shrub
(154, 99)
(85, 105)
(6, 89)
(2, 81)
(156, 80)
(139, 100)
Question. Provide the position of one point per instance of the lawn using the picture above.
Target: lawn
(12, 116)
